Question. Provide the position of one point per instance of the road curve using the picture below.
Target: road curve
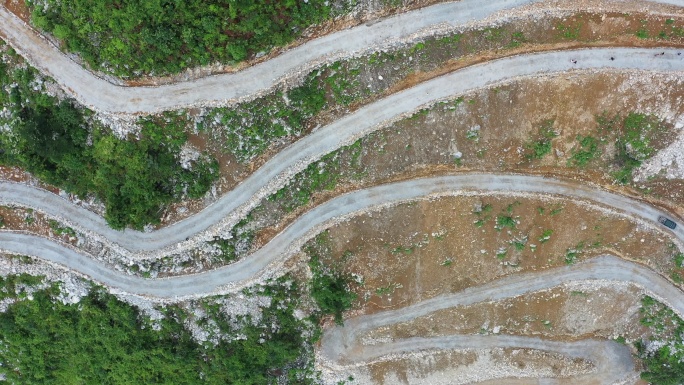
(340, 346)
(613, 362)
(275, 173)
(103, 96)
(307, 225)
(347, 204)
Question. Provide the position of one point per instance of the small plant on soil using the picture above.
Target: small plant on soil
(501, 253)
(519, 243)
(545, 236)
(584, 152)
(517, 39)
(557, 209)
(503, 221)
(571, 254)
(61, 230)
(541, 146)
(473, 134)
(387, 290)
(481, 212)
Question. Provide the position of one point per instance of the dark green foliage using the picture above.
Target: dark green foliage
(664, 365)
(131, 37)
(52, 343)
(329, 287)
(9, 284)
(102, 340)
(331, 291)
(134, 178)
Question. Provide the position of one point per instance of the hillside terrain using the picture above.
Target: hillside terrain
(372, 192)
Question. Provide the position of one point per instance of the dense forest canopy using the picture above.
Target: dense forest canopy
(133, 37)
(101, 340)
(58, 142)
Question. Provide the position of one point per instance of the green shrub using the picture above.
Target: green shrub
(585, 152)
(540, 147)
(330, 289)
(664, 365)
(101, 340)
(633, 145)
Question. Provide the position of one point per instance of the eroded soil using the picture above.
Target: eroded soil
(420, 250)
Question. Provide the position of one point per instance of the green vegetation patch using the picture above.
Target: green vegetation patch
(329, 287)
(101, 340)
(633, 145)
(61, 230)
(132, 38)
(61, 144)
(586, 150)
(238, 244)
(540, 147)
(663, 352)
(318, 176)
(249, 128)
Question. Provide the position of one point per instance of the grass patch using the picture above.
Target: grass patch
(61, 230)
(541, 146)
(584, 152)
(503, 221)
(568, 32)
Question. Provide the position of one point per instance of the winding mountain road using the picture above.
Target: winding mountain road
(103, 96)
(340, 346)
(287, 242)
(274, 174)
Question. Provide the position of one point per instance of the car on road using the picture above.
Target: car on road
(667, 222)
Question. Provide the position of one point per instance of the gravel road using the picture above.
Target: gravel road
(344, 205)
(270, 256)
(274, 174)
(340, 346)
(103, 96)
